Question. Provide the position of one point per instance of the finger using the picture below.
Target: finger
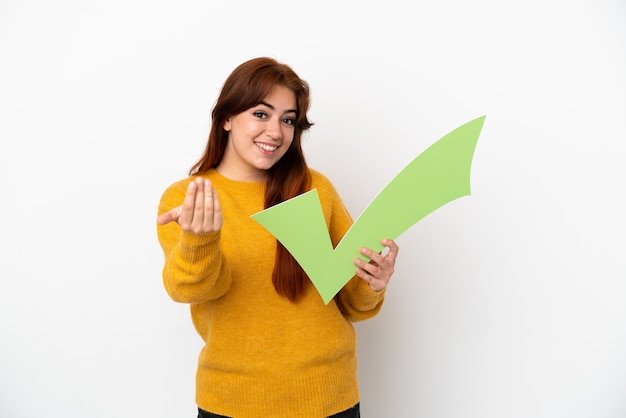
(217, 211)
(375, 258)
(186, 215)
(208, 206)
(198, 209)
(393, 249)
(212, 208)
(169, 216)
(367, 268)
(374, 282)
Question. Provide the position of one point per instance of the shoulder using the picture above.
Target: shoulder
(174, 194)
(178, 187)
(324, 186)
(320, 181)
(179, 184)
(337, 216)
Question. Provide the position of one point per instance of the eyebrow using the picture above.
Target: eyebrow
(272, 107)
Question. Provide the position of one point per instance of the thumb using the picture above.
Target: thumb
(169, 216)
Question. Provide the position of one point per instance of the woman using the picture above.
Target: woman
(272, 347)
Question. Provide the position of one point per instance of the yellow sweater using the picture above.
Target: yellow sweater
(264, 356)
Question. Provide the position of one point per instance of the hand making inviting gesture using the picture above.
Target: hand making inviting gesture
(200, 212)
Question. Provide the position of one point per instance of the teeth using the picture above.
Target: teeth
(267, 147)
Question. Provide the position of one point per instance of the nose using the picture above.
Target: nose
(273, 129)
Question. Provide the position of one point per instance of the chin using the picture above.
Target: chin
(266, 166)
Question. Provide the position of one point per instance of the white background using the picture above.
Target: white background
(507, 303)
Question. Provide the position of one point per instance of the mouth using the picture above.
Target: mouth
(267, 147)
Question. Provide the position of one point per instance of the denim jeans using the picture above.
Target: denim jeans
(353, 412)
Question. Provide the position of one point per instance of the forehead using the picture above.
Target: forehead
(281, 98)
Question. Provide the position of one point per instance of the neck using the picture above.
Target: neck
(249, 176)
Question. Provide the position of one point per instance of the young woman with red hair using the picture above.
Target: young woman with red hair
(272, 347)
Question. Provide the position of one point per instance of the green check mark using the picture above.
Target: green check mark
(437, 176)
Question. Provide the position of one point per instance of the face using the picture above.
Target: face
(259, 136)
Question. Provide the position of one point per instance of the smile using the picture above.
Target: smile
(266, 147)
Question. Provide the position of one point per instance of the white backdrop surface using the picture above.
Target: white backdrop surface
(509, 303)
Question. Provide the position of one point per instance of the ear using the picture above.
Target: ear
(227, 127)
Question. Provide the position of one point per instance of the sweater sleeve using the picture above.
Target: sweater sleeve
(356, 300)
(195, 269)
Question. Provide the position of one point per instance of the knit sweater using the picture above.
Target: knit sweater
(264, 356)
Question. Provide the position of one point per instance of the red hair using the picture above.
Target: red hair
(244, 88)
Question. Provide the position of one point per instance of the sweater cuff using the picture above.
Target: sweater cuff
(363, 296)
(195, 247)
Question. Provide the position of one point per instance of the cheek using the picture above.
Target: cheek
(288, 137)
(287, 144)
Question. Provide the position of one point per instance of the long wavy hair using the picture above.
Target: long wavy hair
(244, 88)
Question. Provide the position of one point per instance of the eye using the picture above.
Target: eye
(259, 114)
(289, 121)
